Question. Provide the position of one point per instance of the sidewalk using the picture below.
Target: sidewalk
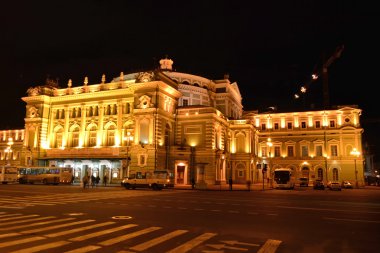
(225, 187)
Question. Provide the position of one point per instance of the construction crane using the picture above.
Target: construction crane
(325, 79)
(325, 82)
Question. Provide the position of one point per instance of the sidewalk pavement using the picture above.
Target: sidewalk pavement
(226, 187)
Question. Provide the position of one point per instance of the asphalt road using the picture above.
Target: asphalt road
(40, 218)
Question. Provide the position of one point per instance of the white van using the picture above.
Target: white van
(154, 179)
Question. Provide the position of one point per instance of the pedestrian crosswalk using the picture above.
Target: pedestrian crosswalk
(34, 233)
(11, 202)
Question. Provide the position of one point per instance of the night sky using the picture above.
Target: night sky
(270, 48)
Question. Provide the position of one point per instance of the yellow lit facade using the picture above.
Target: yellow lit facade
(190, 125)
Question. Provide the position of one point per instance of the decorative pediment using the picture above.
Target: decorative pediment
(145, 102)
(32, 112)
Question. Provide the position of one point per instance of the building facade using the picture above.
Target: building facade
(190, 125)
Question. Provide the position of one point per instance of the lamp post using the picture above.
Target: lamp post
(9, 149)
(129, 139)
(354, 152)
(269, 144)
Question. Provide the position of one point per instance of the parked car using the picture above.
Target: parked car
(304, 181)
(318, 185)
(347, 185)
(335, 186)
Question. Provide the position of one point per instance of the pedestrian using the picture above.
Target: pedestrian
(72, 179)
(85, 181)
(93, 179)
(230, 183)
(97, 180)
(192, 183)
(105, 180)
(249, 185)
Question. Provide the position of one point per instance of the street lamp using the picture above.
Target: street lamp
(129, 139)
(9, 149)
(269, 144)
(354, 152)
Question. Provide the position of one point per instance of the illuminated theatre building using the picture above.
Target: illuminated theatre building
(190, 125)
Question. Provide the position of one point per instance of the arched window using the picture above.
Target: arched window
(92, 137)
(240, 143)
(74, 137)
(111, 136)
(335, 174)
(58, 138)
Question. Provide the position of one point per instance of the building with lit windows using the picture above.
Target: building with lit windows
(190, 125)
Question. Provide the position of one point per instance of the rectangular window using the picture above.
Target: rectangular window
(142, 160)
(304, 151)
(185, 102)
(317, 124)
(290, 125)
(334, 150)
(277, 151)
(318, 150)
(303, 124)
(290, 151)
(241, 173)
(264, 151)
(263, 127)
(276, 126)
(332, 123)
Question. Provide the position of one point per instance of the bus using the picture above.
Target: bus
(45, 175)
(8, 174)
(283, 179)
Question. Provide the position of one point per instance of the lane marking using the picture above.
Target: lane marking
(42, 247)
(9, 235)
(84, 249)
(21, 241)
(103, 232)
(57, 226)
(128, 236)
(325, 209)
(7, 215)
(148, 244)
(18, 217)
(270, 246)
(32, 224)
(23, 221)
(367, 221)
(192, 243)
(71, 231)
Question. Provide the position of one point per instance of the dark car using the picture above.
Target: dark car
(318, 185)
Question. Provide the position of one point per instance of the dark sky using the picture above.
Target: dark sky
(270, 48)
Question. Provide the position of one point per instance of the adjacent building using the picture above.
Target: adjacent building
(190, 125)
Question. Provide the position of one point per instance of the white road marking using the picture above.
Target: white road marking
(102, 232)
(71, 231)
(128, 236)
(270, 246)
(42, 247)
(158, 240)
(354, 220)
(192, 243)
